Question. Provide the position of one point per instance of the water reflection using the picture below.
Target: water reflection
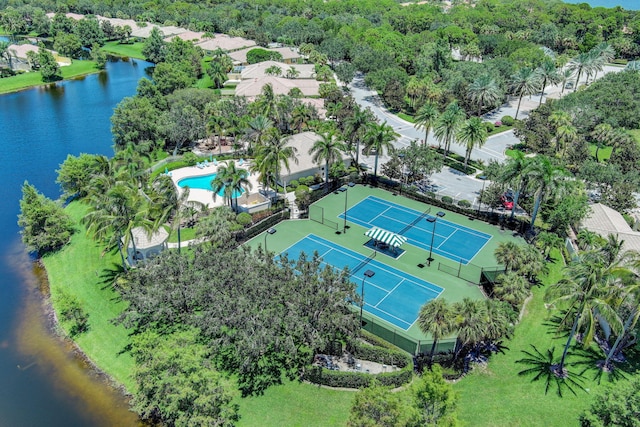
(56, 358)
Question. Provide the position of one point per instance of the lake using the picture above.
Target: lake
(42, 383)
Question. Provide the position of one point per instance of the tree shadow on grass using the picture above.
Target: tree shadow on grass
(543, 366)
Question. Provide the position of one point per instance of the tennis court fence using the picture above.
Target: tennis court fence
(470, 272)
(401, 339)
(316, 213)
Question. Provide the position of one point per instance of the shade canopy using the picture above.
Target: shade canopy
(384, 236)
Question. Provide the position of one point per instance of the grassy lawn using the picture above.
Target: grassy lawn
(603, 154)
(185, 234)
(507, 399)
(27, 80)
(296, 404)
(84, 272)
(133, 50)
(407, 117)
(635, 133)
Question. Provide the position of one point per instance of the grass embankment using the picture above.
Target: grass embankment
(133, 50)
(83, 271)
(506, 399)
(28, 80)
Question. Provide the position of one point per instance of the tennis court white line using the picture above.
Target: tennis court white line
(447, 238)
(389, 293)
(407, 276)
(391, 315)
(412, 211)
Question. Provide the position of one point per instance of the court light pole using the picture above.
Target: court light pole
(433, 220)
(269, 231)
(484, 181)
(369, 274)
(346, 194)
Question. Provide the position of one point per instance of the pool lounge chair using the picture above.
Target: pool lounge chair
(206, 162)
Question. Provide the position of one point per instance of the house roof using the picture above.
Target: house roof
(226, 43)
(286, 52)
(144, 241)
(194, 36)
(302, 142)
(603, 220)
(306, 71)
(22, 49)
(281, 86)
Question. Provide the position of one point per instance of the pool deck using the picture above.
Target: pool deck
(206, 196)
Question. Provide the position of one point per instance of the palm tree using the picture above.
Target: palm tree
(584, 292)
(547, 241)
(230, 180)
(217, 73)
(274, 152)
(484, 91)
(509, 254)
(356, 126)
(328, 149)
(582, 62)
(379, 138)
(472, 133)
(301, 115)
(547, 74)
(292, 73)
(549, 180)
(416, 91)
(512, 288)
(256, 128)
(447, 125)
(524, 82)
(436, 319)
(564, 77)
(515, 171)
(470, 321)
(426, 118)
(588, 240)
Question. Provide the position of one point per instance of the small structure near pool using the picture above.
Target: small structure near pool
(146, 246)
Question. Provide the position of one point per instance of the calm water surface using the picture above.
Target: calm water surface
(41, 383)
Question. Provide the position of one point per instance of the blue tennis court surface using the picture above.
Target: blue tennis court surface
(451, 240)
(390, 294)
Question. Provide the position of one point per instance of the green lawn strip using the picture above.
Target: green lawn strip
(133, 50)
(82, 270)
(603, 154)
(185, 234)
(407, 117)
(296, 404)
(504, 397)
(27, 80)
(635, 133)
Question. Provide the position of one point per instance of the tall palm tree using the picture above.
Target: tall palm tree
(564, 77)
(547, 74)
(356, 126)
(484, 91)
(256, 128)
(328, 149)
(379, 138)
(301, 115)
(271, 155)
(447, 125)
(426, 118)
(509, 254)
(548, 179)
(436, 319)
(584, 62)
(472, 133)
(515, 172)
(416, 90)
(470, 321)
(512, 288)
(230, 180)
(584, 293)
(524, 82)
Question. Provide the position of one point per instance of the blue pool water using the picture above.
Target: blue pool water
(204, 183)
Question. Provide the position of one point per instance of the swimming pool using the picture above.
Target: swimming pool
(204, 183)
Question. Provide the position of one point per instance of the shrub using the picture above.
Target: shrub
(244, 219)
(190, 159)
(508, 120)
(447, 199)
(498, 124)
(464, 204)
(71, 312)
(293, 184)
(490, 127)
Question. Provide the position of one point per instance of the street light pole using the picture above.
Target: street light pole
(433, 220)
(484, 180)
(269, 231)
(346, 195)
(369, 274)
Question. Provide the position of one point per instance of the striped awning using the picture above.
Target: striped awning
(391, 239)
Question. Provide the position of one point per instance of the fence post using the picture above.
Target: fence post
(459, 268)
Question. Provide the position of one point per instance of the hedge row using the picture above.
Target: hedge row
(379, 354)
(322, 376)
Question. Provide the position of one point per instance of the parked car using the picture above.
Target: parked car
(507, 200)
